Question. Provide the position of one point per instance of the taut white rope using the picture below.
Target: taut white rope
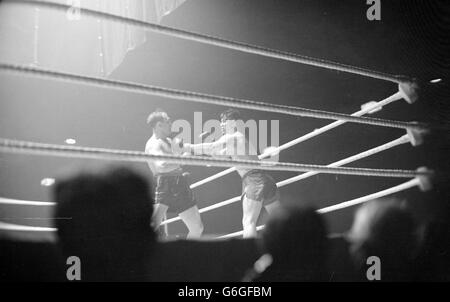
(26, 147)
(25, 202)
(204, 98)
(282, 55)
(17, 227)
(395, 97)
(401, 140)
(402, 187)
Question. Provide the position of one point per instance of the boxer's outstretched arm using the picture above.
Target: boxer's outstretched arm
(211, 149)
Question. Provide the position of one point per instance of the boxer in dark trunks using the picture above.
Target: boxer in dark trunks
(172, 192)
(258, 187)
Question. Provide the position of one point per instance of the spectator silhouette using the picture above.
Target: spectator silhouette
(107, 225)
(295, 238)
(433, 263)
(385, 229)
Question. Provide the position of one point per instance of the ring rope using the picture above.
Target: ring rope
(25, 202)
(401, 140)
(204, 98)
(17, 227)
(402, 187)
(220, 42)
(27, 147)
(395, 97)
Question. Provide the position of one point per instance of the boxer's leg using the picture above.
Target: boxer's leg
(250, 213)
(191, 218)
(159, 215)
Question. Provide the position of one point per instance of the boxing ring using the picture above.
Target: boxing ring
(406, 90)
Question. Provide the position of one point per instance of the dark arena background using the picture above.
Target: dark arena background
(411, 39)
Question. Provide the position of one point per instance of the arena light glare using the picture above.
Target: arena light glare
(47, 182)
(70, 141)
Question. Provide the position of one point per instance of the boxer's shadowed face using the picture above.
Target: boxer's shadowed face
(228, 126)
(228, 121)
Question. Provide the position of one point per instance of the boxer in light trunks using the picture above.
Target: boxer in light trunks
(172, 192)
(258, 187)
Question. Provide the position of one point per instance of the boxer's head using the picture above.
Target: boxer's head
(228, 120)
(160, 123)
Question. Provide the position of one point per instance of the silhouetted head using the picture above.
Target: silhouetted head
(384, 228)
(296, 238)
(160, 123)
(103, 216)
